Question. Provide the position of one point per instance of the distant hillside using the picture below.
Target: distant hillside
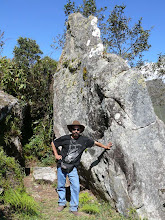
(154, 73)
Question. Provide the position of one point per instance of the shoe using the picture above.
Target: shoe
(76, 213)
(60, 208)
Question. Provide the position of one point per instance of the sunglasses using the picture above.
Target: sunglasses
(75, 129)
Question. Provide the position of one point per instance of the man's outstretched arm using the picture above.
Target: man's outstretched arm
(108, 146)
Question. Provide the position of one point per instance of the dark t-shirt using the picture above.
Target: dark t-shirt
(72, 149)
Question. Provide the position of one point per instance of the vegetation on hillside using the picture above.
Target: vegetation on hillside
(13, 196)
(27, 77)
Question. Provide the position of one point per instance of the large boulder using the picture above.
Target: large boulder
(111, 99)
(8, 103)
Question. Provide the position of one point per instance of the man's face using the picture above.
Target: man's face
(75, 131)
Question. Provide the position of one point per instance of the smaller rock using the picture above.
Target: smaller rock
(47, 174)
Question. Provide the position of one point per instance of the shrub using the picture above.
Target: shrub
(38, 148)
(10, 172)
(13, 191)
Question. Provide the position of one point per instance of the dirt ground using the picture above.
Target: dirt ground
(40, 192)
(45, 194)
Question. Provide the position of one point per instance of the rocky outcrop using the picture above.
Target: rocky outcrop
(8, 103)
(11, 119)
(112, 100)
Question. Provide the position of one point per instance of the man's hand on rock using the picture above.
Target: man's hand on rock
(109, 145)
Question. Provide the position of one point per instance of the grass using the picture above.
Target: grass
(47, 198)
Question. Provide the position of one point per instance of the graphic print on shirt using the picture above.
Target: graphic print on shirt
(73, 152)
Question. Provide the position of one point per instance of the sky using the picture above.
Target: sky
(42, 20)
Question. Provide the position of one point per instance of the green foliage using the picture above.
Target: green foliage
(122, 39)
(10, 172)
(20, 201)
(90, 208)
(11, 128)
(87, 8)
(31, 83)
(88, 204)
(41, 87)
(13, 79)
(132, 213)
(84, 198)
(69, 8)
(32, 86)
(38, 147)
(11, 181)
(27, 52)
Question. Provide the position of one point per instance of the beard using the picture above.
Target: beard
(75, 135)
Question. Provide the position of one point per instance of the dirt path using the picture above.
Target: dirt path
(47, 197)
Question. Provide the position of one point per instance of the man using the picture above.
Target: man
(68, 160)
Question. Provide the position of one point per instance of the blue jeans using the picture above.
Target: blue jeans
(74, 188)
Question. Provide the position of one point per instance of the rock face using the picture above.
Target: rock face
(10, 106)
(7, 104)
(112, 101)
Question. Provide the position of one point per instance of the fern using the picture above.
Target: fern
(91, 208)
(84, 198)
(21, 201)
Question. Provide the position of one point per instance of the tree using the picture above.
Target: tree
(42, 72)
(1, 40)
(117, 34)
(87, 8)
(27, 52)
(123, 40)
(32, 86)
(69, 8)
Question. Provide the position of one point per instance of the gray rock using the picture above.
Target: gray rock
(8, 103)
(112, 101)
(47, 174)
